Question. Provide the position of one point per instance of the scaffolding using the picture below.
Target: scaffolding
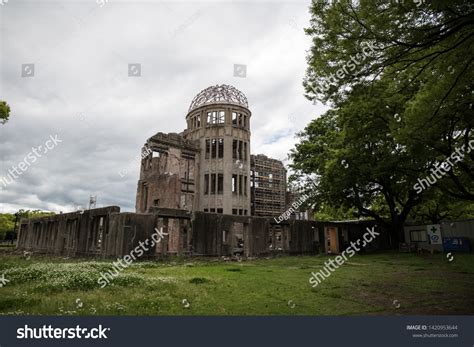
(268, 186)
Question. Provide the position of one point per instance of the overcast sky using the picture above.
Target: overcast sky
(82, 93)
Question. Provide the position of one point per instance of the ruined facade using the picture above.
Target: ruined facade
(207, 166)
(168, 174)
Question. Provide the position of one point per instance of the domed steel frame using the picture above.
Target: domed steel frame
(219, 94)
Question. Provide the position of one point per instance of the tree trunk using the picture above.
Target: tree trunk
(397, 232)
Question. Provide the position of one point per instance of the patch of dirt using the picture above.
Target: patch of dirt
(394, 296)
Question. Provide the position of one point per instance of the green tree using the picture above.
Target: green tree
(327, 212)
(7, 222)
(426, 46)
(4, 112)
(398, 77)
(401, 36)
(353, 151)
(35, 213)
(438, 207)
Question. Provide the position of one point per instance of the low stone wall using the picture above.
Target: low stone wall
(106, 232)
(79, 233)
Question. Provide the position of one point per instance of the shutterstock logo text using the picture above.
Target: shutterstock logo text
(48, 332)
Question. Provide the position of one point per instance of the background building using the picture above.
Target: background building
(268, 186)
(298, 194)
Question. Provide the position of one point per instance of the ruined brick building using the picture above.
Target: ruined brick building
(208, 166)
(204, 190)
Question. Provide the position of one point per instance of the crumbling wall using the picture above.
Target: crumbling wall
(78, 233)
(301, 237)
(256, 236)
(167, 173)
(127, 231)
(105, 232)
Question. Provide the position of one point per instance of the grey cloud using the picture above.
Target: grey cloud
(81, 90)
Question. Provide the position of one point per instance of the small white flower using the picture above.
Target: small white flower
(3, 281)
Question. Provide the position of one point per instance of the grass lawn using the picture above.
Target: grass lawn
(377, 284)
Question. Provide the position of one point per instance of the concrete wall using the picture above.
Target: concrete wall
(71, 234)
(105, 232)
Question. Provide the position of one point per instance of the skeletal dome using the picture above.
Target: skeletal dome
(219, 94)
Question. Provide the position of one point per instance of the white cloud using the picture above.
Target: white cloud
(81, 90)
